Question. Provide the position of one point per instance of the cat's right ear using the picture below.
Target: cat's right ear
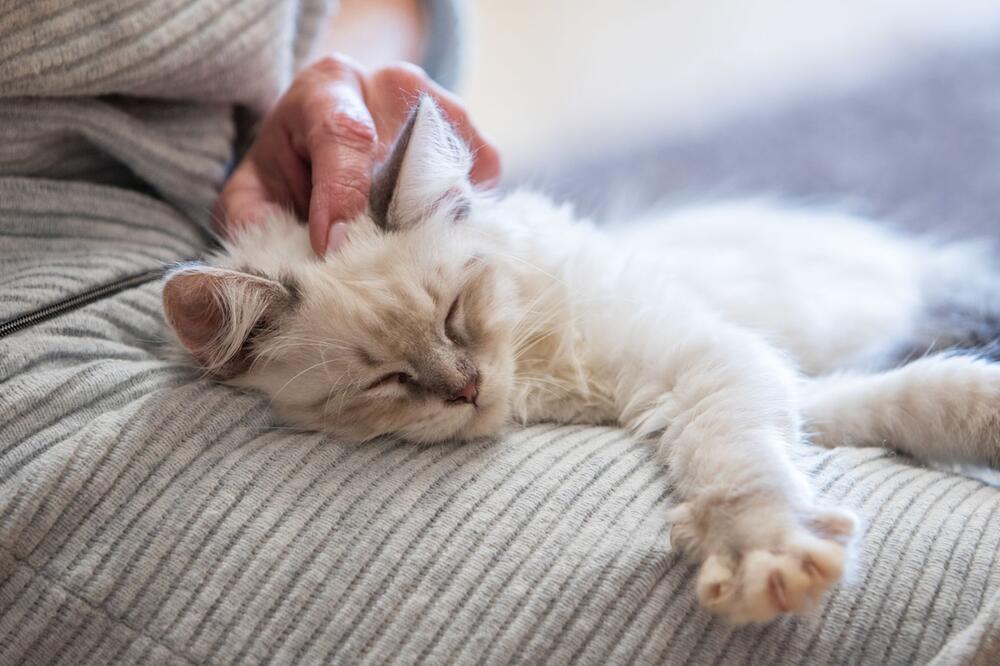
(427, 170)
(217, 314)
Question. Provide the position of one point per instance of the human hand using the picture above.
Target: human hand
(316, 150)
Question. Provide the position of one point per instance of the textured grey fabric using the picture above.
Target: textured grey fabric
(208, 50)
(58, 238)
(152, 517)
(117, 126)
(148, 516)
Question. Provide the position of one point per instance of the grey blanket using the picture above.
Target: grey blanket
(149, 516)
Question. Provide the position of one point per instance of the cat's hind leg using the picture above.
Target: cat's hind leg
(941, 408)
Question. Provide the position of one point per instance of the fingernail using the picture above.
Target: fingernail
(336, 236)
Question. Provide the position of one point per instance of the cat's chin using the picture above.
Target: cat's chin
(486, 422)
(493, 411)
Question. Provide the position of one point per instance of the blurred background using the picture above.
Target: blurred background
(889, 107)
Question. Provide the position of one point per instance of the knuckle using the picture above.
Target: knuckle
(344, 128)
(352, 191)
(348, 192)
(318, 103)
(323, 72)
(332, 65)
(403, 75)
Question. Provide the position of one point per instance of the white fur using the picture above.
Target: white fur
(697, 330)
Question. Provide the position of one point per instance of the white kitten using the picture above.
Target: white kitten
(448, 314)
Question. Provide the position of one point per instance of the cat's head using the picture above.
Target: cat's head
(406, 329)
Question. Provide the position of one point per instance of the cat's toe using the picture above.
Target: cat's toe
(835, 524)
(717, 583)
(789, 582)
(762, 583)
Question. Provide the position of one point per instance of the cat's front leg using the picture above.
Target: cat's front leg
(722, 409)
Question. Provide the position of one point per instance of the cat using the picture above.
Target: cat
(722, 335)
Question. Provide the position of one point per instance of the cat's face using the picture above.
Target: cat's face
(411, 335)
(406, 330)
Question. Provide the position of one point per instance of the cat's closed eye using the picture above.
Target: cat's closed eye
(390, 379)
(452, 323)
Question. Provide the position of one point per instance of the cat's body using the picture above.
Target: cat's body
(450, 316)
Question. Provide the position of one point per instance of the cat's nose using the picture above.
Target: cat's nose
(469, 393)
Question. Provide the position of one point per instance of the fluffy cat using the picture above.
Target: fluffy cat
(721, 335)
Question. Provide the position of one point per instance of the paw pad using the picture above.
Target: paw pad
(761, 583)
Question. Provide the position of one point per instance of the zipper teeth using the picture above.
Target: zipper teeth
(78, 301)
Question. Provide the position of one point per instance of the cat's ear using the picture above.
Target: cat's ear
(427, 169)
(217, 314)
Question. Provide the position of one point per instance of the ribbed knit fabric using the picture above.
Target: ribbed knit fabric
(60, 238)
(148, 516)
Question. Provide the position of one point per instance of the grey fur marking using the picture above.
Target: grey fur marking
(960, 316)
(387, 178)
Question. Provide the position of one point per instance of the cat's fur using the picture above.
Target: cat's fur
(721, 335)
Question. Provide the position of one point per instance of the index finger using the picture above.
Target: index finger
(342, 148)
(333, 132)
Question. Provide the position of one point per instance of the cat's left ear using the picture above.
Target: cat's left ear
(427, 170)
(218, 314)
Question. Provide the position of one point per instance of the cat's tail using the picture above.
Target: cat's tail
(938, 397)
(960, 291)
(944, 407)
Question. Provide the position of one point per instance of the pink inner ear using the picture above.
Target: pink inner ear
(455, 199)
(195, 313)
(214, 312)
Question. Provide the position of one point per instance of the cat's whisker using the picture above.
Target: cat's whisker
(340, 407)
(523, 334)
(329, 397)
(539, 380)
(270, 352)
(535, 267)
(532, 383)
(294, 377)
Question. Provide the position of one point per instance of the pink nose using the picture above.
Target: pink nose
(469, 392)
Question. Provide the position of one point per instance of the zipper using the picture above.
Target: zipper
(79, 300)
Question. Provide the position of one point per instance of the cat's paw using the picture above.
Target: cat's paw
(784, 571)
(756, 585)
